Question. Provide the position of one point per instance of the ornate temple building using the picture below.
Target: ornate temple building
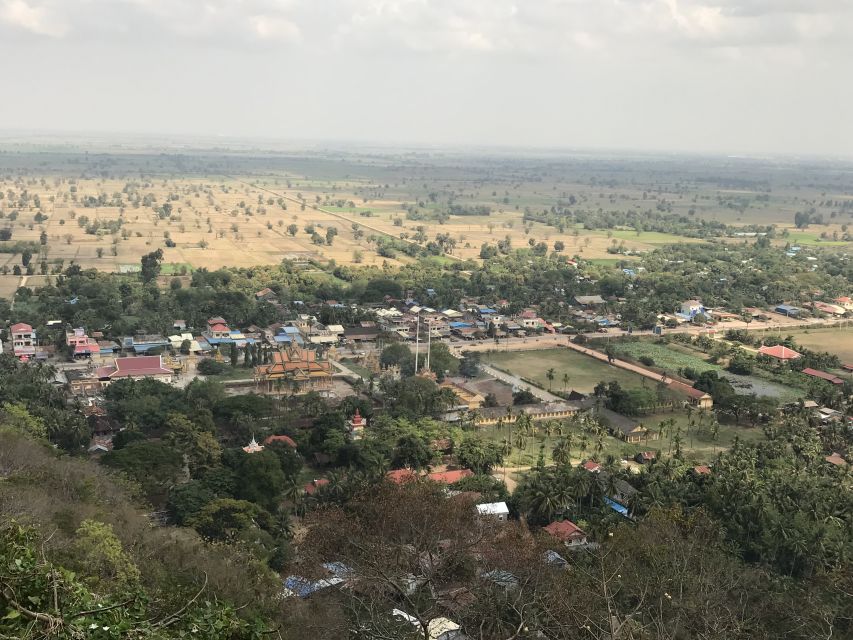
(296, 367)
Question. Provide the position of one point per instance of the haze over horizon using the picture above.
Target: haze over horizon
(723, 76)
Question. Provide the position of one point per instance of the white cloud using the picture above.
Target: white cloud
(37, 20)
(537, 27)
(742, 74)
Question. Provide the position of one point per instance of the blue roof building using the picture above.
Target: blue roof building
(618, 508)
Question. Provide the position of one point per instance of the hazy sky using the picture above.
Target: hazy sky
(734, 76)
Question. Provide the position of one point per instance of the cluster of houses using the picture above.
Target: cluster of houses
(564, 533)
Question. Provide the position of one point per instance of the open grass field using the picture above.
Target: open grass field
(584, 372)
(674, 357)
(836, 340)
(698, 444)
(102, 208)
(665, 357)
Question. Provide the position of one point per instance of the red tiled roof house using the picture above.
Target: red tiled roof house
(566, 532)
(780, 352)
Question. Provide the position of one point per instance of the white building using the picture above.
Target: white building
(497, 510)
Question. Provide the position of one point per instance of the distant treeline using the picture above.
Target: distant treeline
(19, 247)
(649, 220)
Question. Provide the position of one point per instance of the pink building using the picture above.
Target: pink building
(23, 340)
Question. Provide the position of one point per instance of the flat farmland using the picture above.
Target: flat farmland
(208, 225)
(215, 208)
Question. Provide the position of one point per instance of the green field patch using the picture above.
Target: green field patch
(811, 238)
(349, 209)
(174, 268)
(664, 357)
(584, 372)
(611, 262)
(646, 237)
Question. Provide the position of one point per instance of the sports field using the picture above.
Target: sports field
(584, 372)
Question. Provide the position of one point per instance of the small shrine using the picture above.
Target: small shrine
(429, 374)
(253, 446)
(371, 362)
(356, 425)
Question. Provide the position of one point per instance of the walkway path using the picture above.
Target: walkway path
(515, 381)
(621, 364)
(345, 370)
(22, 283)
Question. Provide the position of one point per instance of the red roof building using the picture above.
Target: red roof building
(399, 476)
(449, 477)
(567, 532)
(592, 466)
(823, 375)
(296, 365)
(285, 439)
(780, 352)
(702, 470)
(836, 459)
(135, 369)
(698, 398)
(23, 340)
(311, 487)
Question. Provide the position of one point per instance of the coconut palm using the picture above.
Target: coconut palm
(520, 440)
(566, 381)
(562, 452)
(550, 375)
(599, 444)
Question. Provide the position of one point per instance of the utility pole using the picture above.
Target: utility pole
(417, 341)
(429, 342)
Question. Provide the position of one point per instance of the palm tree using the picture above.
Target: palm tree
(581, 484)
(677, 439)
(566, 381)
(584, 443)
(550, 375)
(544, 501)
(524, 423)
(599, 444)
(562, 452)
(520, 442)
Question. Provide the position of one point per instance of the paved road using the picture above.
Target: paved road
(515, 381)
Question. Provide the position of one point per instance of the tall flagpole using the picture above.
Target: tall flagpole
(417, 341)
